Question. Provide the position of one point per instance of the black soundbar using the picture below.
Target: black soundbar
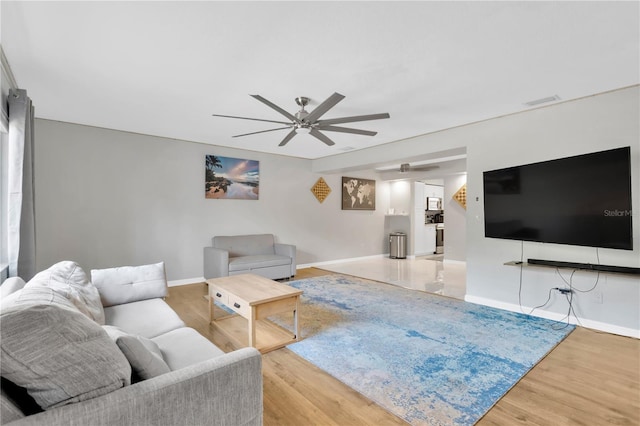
(585, 266)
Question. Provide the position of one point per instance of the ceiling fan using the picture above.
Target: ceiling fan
(309, 122)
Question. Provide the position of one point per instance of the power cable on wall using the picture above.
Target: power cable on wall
(568, 291)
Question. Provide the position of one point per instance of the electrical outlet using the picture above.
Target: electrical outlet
(597, 297)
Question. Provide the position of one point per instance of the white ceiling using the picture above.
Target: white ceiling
(162, 68)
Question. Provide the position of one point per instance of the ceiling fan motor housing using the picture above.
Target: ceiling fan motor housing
(302, 114)
(302, 101)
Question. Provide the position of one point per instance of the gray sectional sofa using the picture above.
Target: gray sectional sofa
(110, 351)
(249, 254)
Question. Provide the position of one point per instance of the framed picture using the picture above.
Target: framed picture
(358, 194)
(231, 178)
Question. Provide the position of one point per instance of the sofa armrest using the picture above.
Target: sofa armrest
(11, 285)
(216, 263)
(287, 250)
(226, 390)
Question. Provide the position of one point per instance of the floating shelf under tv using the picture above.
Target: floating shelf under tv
(575, 265)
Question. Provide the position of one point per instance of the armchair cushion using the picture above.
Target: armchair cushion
(259, 261)
(245, 245)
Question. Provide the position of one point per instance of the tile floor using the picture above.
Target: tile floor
(428, 274)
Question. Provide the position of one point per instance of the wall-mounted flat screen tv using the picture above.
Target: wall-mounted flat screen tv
(583, 200)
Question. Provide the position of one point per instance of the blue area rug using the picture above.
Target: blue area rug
(429, 359)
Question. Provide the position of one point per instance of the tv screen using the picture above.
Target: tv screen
(583, 200)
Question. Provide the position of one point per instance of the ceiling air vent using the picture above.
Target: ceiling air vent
(543, 100)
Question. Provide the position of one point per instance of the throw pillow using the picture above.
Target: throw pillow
(59, 356)
(31, 296)
(143, 354)
(70, 280)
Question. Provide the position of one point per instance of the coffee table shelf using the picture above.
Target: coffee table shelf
(269, 336)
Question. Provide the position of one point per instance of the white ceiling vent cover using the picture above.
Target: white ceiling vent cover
(543, 100)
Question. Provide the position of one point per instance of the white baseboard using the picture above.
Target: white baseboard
(595, 325)
(331, 262)
(187, 281)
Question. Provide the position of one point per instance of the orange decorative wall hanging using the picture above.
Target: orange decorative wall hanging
(321, 190)
(461, 196)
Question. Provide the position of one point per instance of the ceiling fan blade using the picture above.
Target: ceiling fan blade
(261, 131)
(287, 138)
(347, 130)
(354, 118)
(275, 107)
(315, 133)
(325, 106)
(247, 118)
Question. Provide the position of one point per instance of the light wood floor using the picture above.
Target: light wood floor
(590, 378)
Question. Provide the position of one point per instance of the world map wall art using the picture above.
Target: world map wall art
(231, 178)
(358, 194)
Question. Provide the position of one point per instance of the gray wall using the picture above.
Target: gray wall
(106, 198)
(590, 124)
(455, 220)
(575, 127)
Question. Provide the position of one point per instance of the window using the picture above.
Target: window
(7, 81)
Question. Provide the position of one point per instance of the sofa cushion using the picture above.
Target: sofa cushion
(147, 318)
(185, 346)
(70, 280)
(130, 283)
(245, 245)
(59, 356)
(11, 285)
(31, 296)
(15, 402)
(143, 354)
(257, 261)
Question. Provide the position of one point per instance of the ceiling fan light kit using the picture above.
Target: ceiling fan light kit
(309, 122)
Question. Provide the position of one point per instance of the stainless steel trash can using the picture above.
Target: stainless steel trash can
(398, 245)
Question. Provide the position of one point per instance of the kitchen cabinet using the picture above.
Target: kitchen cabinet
(430, 239)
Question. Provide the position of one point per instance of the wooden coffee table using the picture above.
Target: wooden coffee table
(254, 298)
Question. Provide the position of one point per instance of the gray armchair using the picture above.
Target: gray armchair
(255, 254)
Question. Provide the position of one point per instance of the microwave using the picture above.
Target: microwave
(434, 203)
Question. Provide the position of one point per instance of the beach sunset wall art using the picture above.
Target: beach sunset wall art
(231, 178)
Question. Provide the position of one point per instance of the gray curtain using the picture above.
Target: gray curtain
(21, 245)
